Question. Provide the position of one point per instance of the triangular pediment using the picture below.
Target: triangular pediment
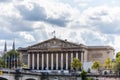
(54, 43)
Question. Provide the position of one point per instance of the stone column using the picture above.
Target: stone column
(56, 61)
(71, 58)
(77, 55)
(38, 61)
(28, 61)
(42, 61)
(33, 61)
(82, 57)
(52, 61)
(61, 61)
(47, 62)
(66, 61)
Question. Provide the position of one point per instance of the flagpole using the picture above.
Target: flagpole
(53, 33)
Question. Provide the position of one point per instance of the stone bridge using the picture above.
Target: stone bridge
(20, 76)
(40, 76)
(37, 76)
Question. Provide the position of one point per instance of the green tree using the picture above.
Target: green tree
(116, 67)
(11, 59)
(96, 65)
(84, 75)
(108, 63)
(76, 64)
(118, 54)
(117, 59)
(1, 62)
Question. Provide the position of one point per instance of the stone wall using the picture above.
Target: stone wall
(100, 54)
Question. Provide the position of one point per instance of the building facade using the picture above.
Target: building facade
(57, 54)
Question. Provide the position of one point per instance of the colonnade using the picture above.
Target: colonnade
(53, 60)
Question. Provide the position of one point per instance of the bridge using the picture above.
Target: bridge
(27, 75)
(20, 76)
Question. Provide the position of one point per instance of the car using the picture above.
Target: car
(19, 70)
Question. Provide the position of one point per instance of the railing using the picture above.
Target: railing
(68, 76)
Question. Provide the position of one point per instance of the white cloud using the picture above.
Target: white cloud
(102, 18)
(8, 10)
(27, 37)
(56, 9)
(81, 3)
(116, 42)
(86, 23)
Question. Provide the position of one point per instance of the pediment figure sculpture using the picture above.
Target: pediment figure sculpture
(54, 43)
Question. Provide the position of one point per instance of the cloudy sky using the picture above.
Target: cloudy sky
(90, 22)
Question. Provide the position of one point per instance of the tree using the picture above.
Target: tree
(96, 65)
(1, 63)
(11, 59)
(76, 64)
(117, 64)
(117, 67)
(108, 63)
(117, 59)
(118, 54)
(84, 75)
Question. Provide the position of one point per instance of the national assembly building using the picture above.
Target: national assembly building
(57, 54)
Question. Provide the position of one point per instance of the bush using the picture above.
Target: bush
(83, 75)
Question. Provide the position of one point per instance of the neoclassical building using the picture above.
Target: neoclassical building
(57, 54)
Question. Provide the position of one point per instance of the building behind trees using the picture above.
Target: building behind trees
(57, 54)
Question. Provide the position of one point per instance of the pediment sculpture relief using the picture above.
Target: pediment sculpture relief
(55, 43)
